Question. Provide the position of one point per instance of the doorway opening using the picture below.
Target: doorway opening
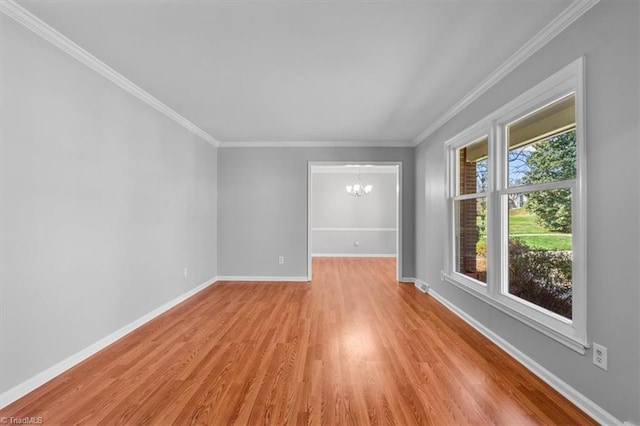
(354, 209)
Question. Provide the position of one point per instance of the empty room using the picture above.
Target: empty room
(410, 212)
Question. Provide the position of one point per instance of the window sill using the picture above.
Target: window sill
(569, 341)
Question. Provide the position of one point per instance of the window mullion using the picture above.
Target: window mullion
(494, 234)
(493, 222)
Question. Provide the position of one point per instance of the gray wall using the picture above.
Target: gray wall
(263, 206)
(104, 201)
(369, 220)
(608, 36)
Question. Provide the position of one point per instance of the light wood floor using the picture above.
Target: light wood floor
(352, 347)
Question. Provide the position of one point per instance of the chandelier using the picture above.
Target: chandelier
(359, 189)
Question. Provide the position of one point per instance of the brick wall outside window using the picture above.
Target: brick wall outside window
(468, 214)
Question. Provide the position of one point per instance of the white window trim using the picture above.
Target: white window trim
(571, 333)
(473, 133)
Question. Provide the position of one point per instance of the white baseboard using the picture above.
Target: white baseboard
(419, 284)
(354, 229)
(39, 379)
(422, 286)
(585, 404)
(352, 255)
(234, 278)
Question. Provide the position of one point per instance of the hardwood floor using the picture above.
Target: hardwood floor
(352, 347)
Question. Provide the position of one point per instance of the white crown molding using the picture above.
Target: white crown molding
(316, 144)
(585, 404)
(35, 24)
(548, 33)
(43, 377)
(30, 21)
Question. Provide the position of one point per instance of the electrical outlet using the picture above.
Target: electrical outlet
(281, 260)
(356, 243)
(600, 356)
(186, 272)
(441, 275)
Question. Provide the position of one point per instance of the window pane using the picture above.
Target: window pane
(471, 234)
(473, 167)
(540, 249)
(542, 145)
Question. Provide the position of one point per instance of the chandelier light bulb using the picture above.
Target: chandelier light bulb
(359, 189)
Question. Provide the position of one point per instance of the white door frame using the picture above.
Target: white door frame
(398, 165)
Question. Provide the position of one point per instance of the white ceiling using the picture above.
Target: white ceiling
(377, 71)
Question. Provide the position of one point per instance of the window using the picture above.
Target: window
(516, 208)
(471, 209)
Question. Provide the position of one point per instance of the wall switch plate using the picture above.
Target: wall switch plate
(600, 356)
(281, 260)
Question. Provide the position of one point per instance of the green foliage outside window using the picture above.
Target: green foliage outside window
(553, 160)
(541, 277)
